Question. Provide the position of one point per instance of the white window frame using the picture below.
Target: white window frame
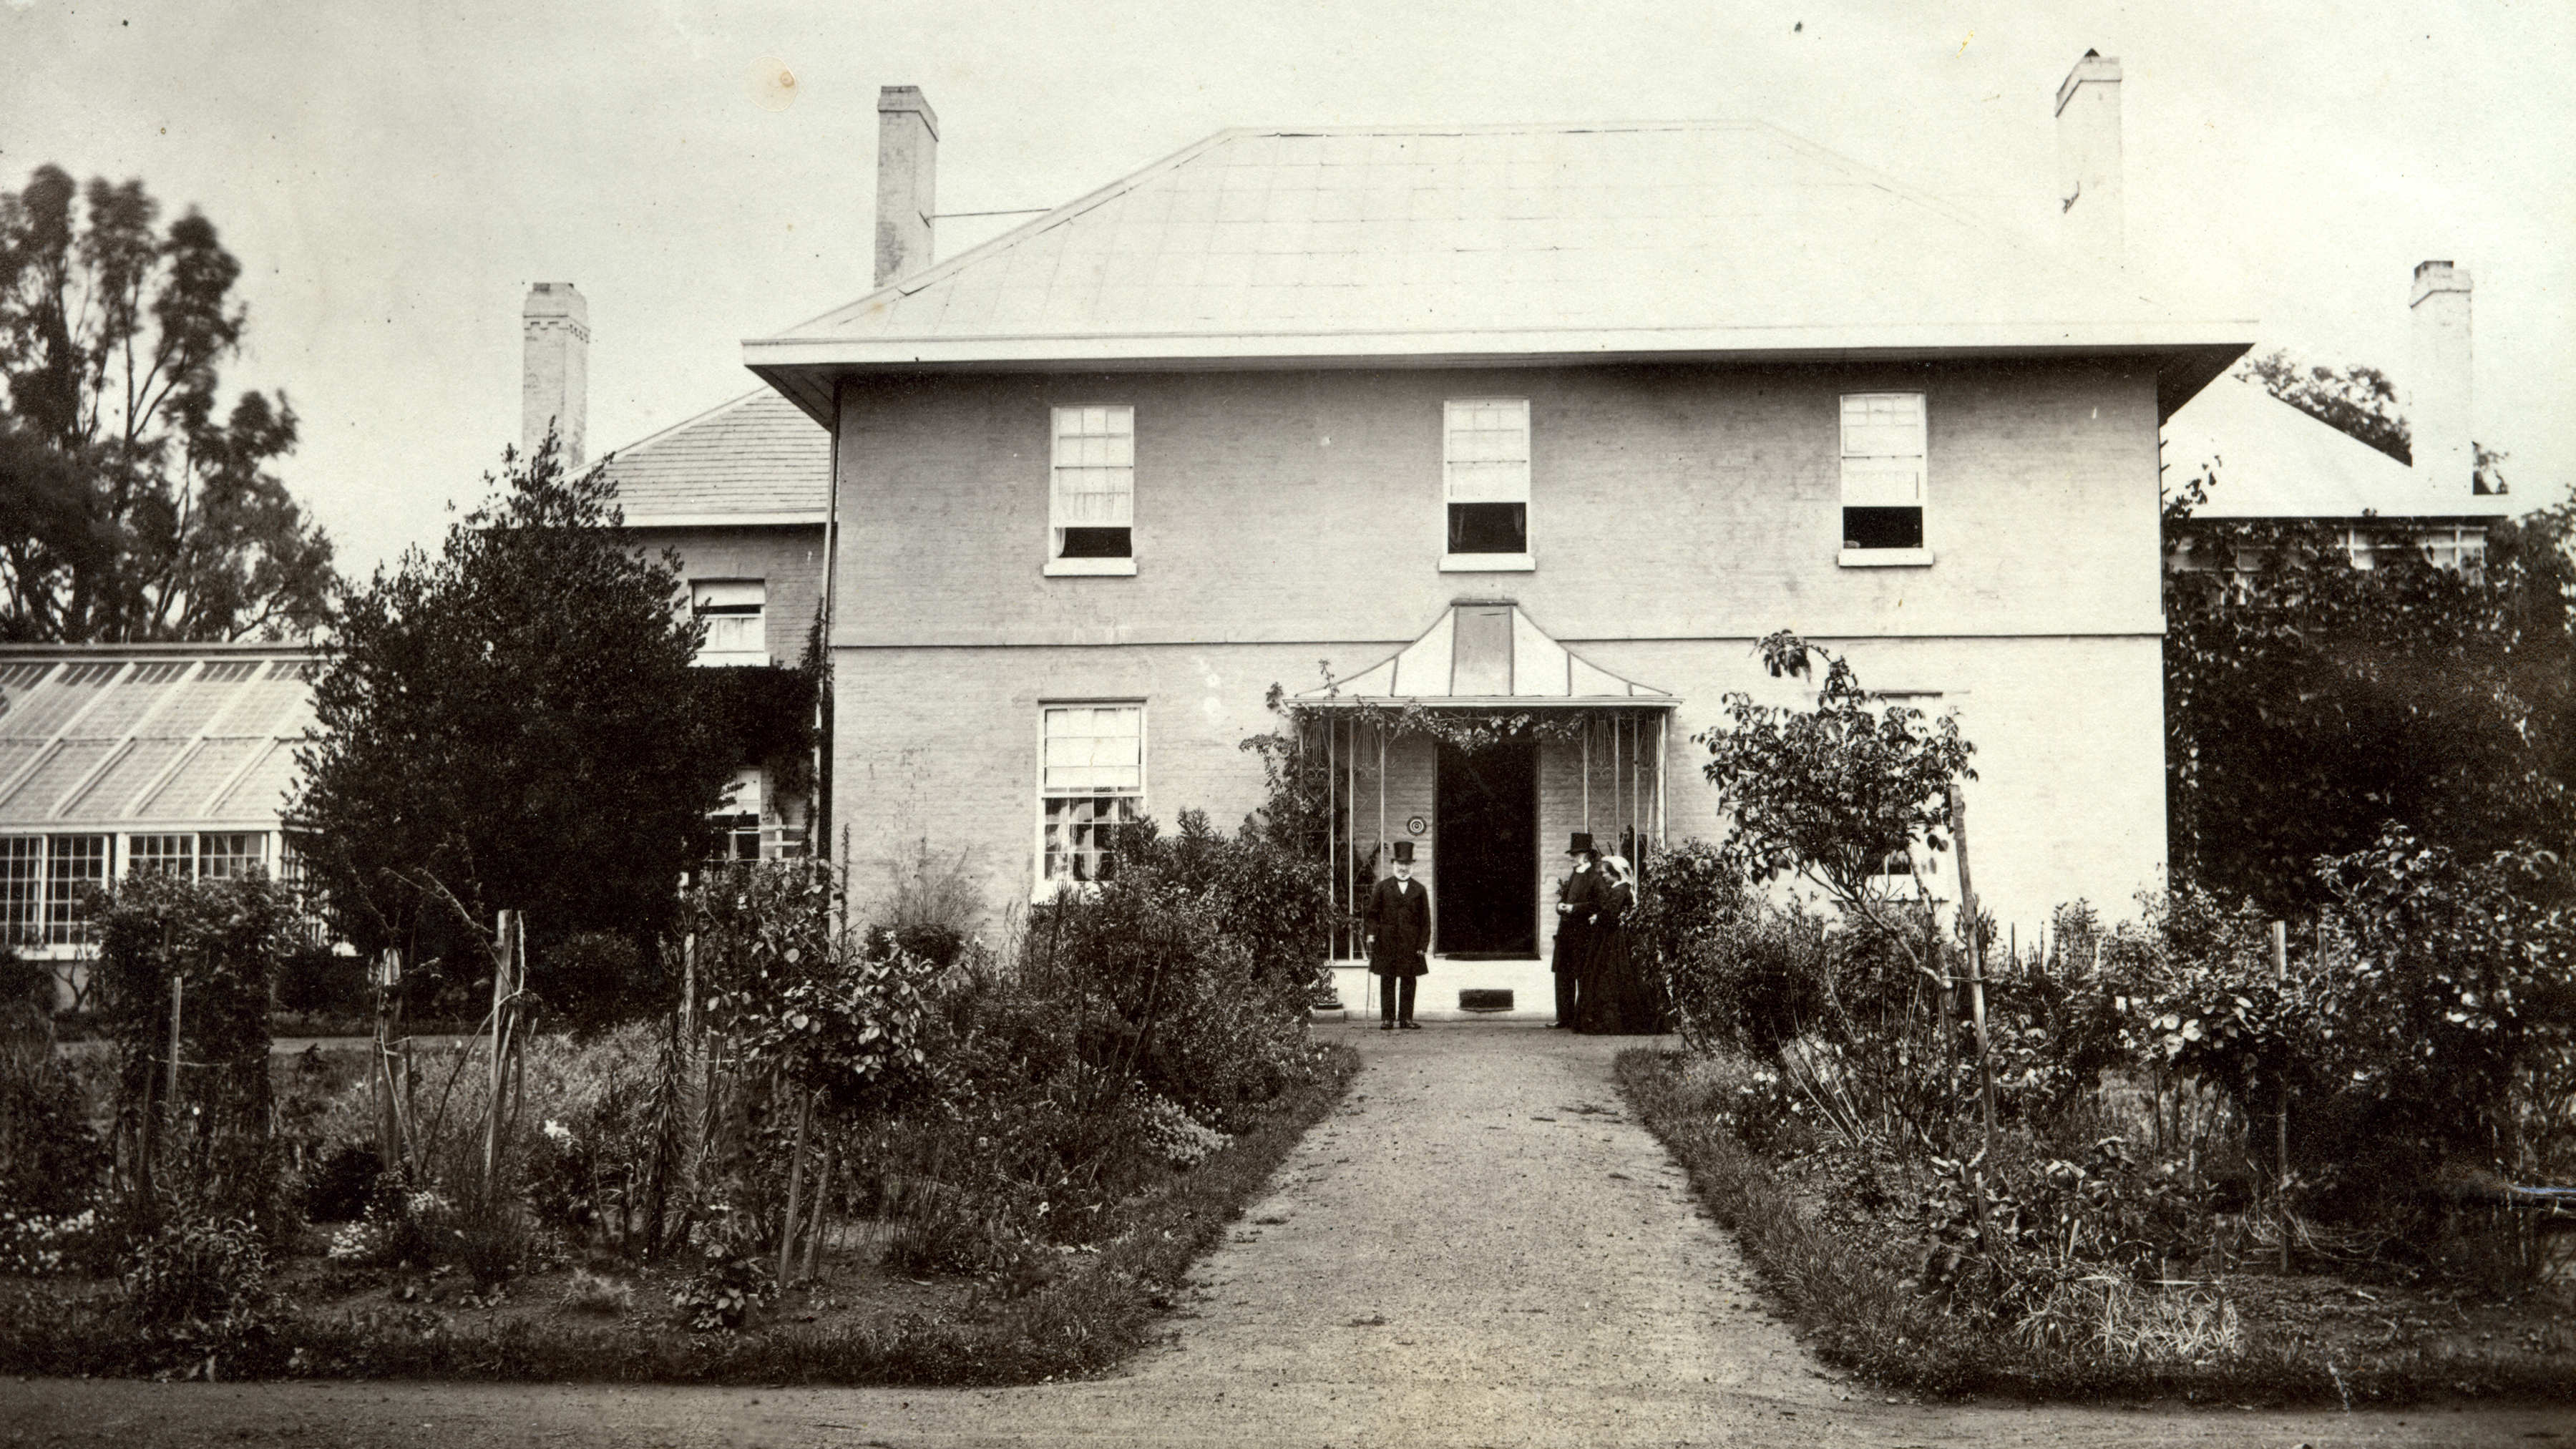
(736, 612)
(1048, 883)
(1100, 445)
(233, 864)
(1885, 462)
(1476, 466)
(22, 890)
(150, 852)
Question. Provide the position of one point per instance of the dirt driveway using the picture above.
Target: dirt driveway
(1479, 1248)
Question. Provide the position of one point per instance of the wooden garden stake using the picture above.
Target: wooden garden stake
(822, 1204)
(1976, 967)
(795, 1184)
(170, 1102)
(2281, 1123)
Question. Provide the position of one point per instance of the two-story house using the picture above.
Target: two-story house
(1548, 421)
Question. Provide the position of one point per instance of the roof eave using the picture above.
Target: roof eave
(1489, 703)
(2187, 356)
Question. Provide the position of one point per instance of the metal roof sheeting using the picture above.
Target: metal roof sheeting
(124, 739)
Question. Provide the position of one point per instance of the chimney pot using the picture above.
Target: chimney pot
(2088, 160)
(554, 379)
(2441, 403)
(907, 173)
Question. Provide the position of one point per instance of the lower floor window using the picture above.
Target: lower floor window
(737, 838)
(228, 856)
(1080, 832)
(1091, 780)
(73, 865)
(22, 890)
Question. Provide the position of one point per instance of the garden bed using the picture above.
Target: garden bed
(857, 1322)
(1847, 1266)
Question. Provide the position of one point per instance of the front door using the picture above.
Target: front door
(1485, 852)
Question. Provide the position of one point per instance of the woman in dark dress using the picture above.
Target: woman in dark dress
(1616, 999)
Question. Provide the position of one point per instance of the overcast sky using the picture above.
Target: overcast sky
(393, 176)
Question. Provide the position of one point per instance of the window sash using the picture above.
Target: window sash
(229, 856)
(161, 855)
(1092, 475)
(71, 861)
(1093, 749)
(22, 890)
(1091, 780)
(1485, 454)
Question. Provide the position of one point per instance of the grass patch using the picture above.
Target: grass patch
(1846, 1288)
(1102, 1307)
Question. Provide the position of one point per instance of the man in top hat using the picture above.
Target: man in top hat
(1578, 901)
(1399, 936)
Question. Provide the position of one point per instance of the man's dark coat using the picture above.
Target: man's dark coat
(1399, 926)
(1581, 893)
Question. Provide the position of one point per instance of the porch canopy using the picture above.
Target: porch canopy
(1481, 674)
(1488, 656)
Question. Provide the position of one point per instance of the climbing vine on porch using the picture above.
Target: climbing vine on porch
(1469, 731)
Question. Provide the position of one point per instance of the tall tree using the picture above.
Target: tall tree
(134, 504)
(514, 724)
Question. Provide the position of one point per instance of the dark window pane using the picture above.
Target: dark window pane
(1882, 528)
(1096, 543)
(1489, 528)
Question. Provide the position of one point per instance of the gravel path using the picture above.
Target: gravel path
(1478, 1248)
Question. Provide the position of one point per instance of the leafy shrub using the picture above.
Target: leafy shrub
(209, 1271)
(51, 1160)
(592, 977)
(340, 1184)
(722, 1296)
(311, 981)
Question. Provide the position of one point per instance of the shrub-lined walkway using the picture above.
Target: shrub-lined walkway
(1478, 1247)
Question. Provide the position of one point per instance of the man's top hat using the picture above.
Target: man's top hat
(1581, 844)
(1404, 852)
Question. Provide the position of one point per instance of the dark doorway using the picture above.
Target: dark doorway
(1485, 854)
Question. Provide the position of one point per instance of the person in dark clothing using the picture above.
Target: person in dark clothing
(1617, 999)
(1578, 898)
(1399, 938)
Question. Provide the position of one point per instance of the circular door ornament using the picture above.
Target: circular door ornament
(1416, 826)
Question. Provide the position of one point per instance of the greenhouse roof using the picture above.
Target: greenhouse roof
(138, 737)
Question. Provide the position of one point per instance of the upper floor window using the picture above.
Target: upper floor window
(1485, 483)
(1883, 448)
(734, 611)
(1091, 780)
(1091, 492)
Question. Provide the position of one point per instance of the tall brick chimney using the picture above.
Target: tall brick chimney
(2439, 402)
(554, 381)
(2088, 161)
(907, 168)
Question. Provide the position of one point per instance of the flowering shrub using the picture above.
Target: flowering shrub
(35, 1245)
(1174, 1135)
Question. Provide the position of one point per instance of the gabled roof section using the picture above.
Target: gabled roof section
(137, 737)
(2271, 460)
(1560, 242)
(1489, 654)
(757, 459)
